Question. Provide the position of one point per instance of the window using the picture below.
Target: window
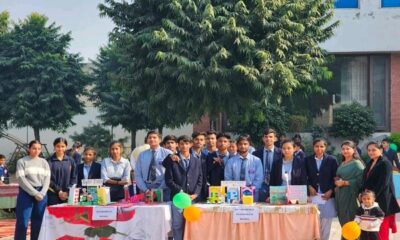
(364, 79)
(390, 3)
(346, 4)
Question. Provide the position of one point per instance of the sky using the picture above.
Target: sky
(80, 17)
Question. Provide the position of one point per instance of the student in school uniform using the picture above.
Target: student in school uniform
(270, 156)
(199, 141)
(63, 173)
(245, 166)
(33, 176)
(185, 176)
(216, 161)
(233, 148)
(291, 169)
(390, 154)
(321, 173)
(149, 167)
(4, 175)
(89, 169)
(115, 171)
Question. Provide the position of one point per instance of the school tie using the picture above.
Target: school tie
(243, 170)
(152, 168)
(186, 163)
(267, 167)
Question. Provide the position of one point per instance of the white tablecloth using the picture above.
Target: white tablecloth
(62, 222)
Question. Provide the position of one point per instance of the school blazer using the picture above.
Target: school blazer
(326, 175)
(215, 172)
(94, 173)
(298, 174)
(178, 179)
(276, 168)
(380, 181)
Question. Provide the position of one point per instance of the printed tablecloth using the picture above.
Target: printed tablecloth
(62, 222)
(288, 222)
(8, 195)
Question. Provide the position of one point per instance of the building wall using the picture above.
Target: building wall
(395, 92)
(368, 28)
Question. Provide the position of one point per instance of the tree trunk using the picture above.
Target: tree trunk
(160, 129)
(133, 139)
(36, 133)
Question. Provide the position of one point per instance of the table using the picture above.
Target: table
(8, 195)
(62, 222)
(287, 222)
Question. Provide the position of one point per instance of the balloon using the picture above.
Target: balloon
(182, 200)
(351, 231)
(393, 146)
(135, 153)
(192, 213)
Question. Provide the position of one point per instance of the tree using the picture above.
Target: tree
(43, 81)
(95, 135)
(4, 89)
(206, 57)
(116, 109)
(353, 121)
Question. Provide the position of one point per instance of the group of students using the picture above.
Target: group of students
(191, 164)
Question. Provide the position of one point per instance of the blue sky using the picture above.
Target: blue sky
(81, 17)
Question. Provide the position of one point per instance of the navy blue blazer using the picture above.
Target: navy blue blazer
(299, 172)
(392, 157)
(276, 169)
(215, 171)
(94, 173)
(178, 179)
(325, 177)
(380, 181)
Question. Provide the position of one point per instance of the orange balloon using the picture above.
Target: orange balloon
(192, 213)
(351, 230)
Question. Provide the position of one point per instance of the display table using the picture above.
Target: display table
(288, 222)
(64, 222)
(8, 195)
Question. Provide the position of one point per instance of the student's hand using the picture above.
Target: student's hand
(39, 197)
(174, 158)
(62, 195)
(193, 196)
(327, 195)
(312, 191)
(218, 160)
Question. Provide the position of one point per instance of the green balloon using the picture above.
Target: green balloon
(393, 146)
(181, 200)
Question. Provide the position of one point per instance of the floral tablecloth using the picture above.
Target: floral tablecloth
(63, 222)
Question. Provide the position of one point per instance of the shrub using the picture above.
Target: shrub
(297, 123)
(352, 121)
(395, 138)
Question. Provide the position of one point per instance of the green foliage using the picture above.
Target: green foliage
(40, 81)
(297, 123)
(203, 57)
(258, 119)
(95, 135)
(353, 121)
(395, 138)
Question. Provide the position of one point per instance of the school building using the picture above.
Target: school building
(366, 69)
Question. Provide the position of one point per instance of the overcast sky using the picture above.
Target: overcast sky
(80, 17)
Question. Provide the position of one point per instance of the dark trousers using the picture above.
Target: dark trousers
(369, 235)
(28, 208)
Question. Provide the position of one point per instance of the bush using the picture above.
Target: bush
(297, 123)
(395, 138)
(352, 121)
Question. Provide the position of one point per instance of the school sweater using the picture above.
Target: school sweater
(369, 219)
(33, 173)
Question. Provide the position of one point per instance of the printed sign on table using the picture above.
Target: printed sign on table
(246, 215)
(104, 213)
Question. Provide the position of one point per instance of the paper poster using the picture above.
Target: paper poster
(104, 213)
(246, 215)
(277, 195)
(233, 183)
(297, 194)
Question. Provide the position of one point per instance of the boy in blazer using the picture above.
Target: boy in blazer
(89, 169)
(390, 154)
(217, 161)
(185, 176)
(269, 156)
